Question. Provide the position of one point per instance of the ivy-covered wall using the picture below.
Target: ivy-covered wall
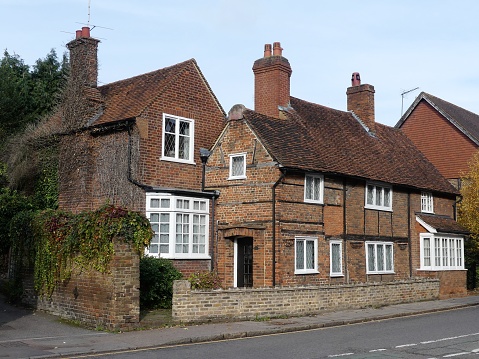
(109, 300)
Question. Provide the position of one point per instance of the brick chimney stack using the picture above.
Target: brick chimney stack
(84, 58)
(361, 101)
(271, 81)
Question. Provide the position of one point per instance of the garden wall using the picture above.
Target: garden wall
(102, 300)
(233, 304)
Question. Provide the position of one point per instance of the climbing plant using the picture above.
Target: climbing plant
(66, 243)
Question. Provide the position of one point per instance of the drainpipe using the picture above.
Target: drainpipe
(345, 247)
(273, 220)
(409, 232)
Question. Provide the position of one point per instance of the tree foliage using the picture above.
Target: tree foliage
(469, 208)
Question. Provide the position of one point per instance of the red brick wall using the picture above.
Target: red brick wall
(244, 209)
(443, 145)
(103, 300)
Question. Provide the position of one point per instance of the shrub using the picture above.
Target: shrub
(156, 282)
(205, 280)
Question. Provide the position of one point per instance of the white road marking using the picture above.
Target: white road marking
(455, 354)
(406, 345)
(339, 355)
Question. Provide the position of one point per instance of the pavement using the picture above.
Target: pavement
(26, 333)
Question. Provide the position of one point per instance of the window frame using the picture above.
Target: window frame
(384, 245)
(305, 270)
(237, 155)
(177, 135)
(314, 177)
(375, 206)
(333, 273)
(427, 202)
(437, 252)
(197, 230)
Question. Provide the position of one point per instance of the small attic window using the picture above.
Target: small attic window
(237, 166)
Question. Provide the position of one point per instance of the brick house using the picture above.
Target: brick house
(310, 195)
(137, 144)
(430, 118)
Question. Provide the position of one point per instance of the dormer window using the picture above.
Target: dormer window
(238, 166)
(427, 202)
(379, 196)
(178, 139)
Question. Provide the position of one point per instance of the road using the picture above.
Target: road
(448, 334)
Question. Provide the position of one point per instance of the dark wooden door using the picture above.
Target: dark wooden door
(245, 262)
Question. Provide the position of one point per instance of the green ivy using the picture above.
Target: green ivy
(67, 242)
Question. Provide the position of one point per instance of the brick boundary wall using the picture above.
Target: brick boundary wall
(102, 300)
(244, 304)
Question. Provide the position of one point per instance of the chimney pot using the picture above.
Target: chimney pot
(356, 79)
(277, 50)
(78, 34)
(267, 50)
(85, 31)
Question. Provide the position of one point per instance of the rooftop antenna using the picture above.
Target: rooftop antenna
(89, 2)
(402, 97)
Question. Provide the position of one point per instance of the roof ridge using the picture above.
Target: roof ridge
(130, 79)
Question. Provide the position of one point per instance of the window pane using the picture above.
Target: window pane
(437, 252)
(237, 166)
(184, 148)
(389, 257)
(170, 125)
(154, 217)
(309, 187)
(317, 188)
(336, 258)
(310, 255)
(299, 254)
(379, 196)
(165, 203)
(154, 203)
(427, 252)
(371, 258)
(184, 128)
(387, 197)
(169, 150)
(370, 196)
(380, 257)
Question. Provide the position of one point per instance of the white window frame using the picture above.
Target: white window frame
(241, 175)
(427, 202)
(314, 197)
(175, 155)
(174, 209)
(442, 252)
(377, 262)
(304, 270)
(378, 188)
(332, 272)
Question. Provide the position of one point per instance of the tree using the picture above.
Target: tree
(468, 209)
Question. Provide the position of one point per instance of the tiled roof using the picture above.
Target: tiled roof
(466, 121)
(442, 224)
(128, 98)
(312, 137)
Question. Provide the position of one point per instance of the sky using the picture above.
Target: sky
(396, 46)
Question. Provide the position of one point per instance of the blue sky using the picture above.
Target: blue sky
(395, 45)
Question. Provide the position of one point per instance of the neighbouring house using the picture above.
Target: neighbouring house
(137, 143)
(310, 195)
(446, 134)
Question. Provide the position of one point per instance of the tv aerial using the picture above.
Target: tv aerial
(402, 97)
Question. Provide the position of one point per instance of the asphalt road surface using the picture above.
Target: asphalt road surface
(448, 334)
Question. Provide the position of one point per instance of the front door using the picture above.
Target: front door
(244, 262)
